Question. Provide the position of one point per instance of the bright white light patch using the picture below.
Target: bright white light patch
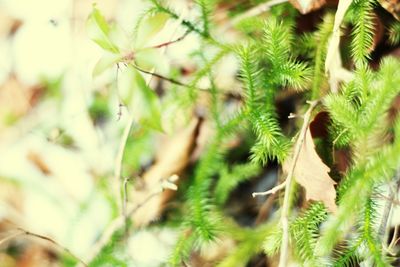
(151, 248)
(41, 49)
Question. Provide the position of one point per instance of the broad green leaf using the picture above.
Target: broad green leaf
(146, 104)
(150, 58)
(149, 28)
(99, 31)
(120, 38)
(105, 62)
(142, 101)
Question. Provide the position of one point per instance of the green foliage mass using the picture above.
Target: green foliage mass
(276, 59)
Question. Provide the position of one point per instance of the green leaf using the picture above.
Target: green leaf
(149, 28)
(143, 102)
(150, 58)
(105, 62)
(99, 31)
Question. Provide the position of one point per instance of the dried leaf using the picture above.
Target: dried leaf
(172, 159)
(312, 174)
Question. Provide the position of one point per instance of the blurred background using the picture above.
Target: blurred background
(60, 130)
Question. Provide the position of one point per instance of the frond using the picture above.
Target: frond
(192, 90)
(305, 231)
(369, 234)
(363, 30)
(348, 256)
(273, 241)
(198, 199)
(306, 45)
(250, 245)
(229, 179)
(358, 90)
(277, 43)
(322, 38)
(342, 112)
(250, 75)
(182, 248)
(295, 74)
(206, 7)
(382, 93)
(161, 7)
(203, 223)
(394, 33)
(271, 143)
(201, 218)
(284, 70)
(264, 151)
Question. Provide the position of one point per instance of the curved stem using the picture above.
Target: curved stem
(289, 179)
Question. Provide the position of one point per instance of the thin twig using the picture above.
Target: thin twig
(160, 76)
(173, 41)
(23, 232)
(168, 79)
(289, 179)
(271, 191)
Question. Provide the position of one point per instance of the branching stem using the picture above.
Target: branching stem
(288, 184)
(173, 41)
(160, 76)
(271, 191)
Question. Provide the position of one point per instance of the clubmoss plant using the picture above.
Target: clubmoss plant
(279, 62)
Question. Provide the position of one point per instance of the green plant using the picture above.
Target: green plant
(275, 61)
